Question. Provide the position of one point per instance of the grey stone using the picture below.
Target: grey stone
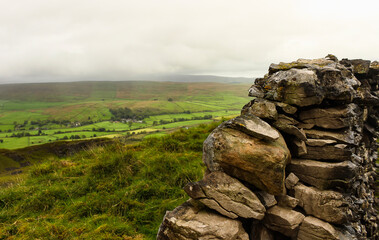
(189, 221)
(263, 109)
(226, 195)
(343, 136)
(253, 126)
(331, 118)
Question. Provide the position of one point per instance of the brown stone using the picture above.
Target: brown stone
(323, 175)
(319, 142)
(315, 229)
(291, 181)
(267, 199)
(258, 162)
(226, 195)
(334, 153)
(283, 220)
(188, 222)
(287, 201)
(326, 205)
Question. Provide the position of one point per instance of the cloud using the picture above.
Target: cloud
(121, 39)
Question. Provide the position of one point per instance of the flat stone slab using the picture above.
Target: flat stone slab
(323, 175)
(315, 229)
(324, 204)
(226, 195)
(189, 222)
(283, 220)
(253, 126)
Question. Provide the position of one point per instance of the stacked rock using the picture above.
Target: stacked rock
(298, 163)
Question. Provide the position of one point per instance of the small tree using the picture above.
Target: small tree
(170, 99)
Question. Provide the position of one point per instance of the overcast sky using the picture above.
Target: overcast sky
(51, 40)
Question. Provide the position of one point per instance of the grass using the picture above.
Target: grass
(83, 101)
(115, 191)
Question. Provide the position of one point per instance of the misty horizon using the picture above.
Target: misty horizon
(127, 40)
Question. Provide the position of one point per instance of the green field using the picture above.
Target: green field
(111, 191)
(50, 112)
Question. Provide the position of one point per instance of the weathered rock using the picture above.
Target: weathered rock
(327, 205)
(295, 87)
(287, 125)
(294, 82)
(283, 220)
(298, 147)
(323, 175)
(344, 136)
(260, 163)
(319, 142)
(260, 232)
(253, 126)
(226, 195)
(301, 63)
(286, 107)
(263, 109)
(331, 118)
(334, 153)
(267, 199)
(189, 222)
(360, 66)
(287, 201)
(291, 181)
(316, 229)
(255, 91)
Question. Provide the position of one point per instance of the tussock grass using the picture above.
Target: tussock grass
(110, 192)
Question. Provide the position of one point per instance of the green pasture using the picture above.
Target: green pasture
(91, 101)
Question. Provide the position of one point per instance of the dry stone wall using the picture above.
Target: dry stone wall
(298, 163)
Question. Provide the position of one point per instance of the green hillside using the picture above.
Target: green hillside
(116, 191)
(39, 113)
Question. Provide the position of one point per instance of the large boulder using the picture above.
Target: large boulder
(327, 205)
(242, 155)
(283, 220)
(323, 175)
(189, 221)
(226, 195)
(316, 229)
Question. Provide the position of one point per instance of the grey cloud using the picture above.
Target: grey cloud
(121, 39)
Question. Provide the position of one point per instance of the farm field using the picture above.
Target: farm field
(38, 113)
